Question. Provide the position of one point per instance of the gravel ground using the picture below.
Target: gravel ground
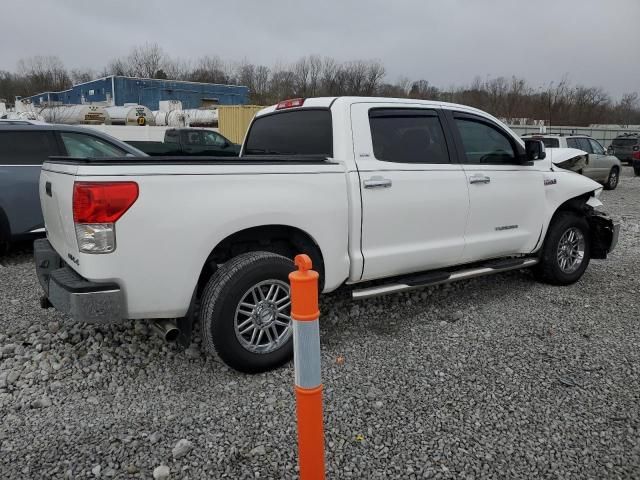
(496, 377)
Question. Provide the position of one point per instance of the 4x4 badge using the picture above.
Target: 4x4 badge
(550, 181)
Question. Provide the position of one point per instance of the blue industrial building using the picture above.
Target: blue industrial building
(118, 90)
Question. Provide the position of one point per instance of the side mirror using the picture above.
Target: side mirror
(610, 150)
(534, 150)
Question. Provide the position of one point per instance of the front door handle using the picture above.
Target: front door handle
(377, 182)
(479, 179)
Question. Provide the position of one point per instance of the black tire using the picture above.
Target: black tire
(222, 296)
(613, 179)
(549, 269)
(636, 171)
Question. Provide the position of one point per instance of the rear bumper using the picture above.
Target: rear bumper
(72, 294)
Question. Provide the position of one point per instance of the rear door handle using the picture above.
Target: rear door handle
(377, 182)
(479, 179)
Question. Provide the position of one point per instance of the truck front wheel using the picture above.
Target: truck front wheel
(566, 251)
(245, 312)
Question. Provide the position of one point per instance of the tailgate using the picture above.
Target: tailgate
(56, 199)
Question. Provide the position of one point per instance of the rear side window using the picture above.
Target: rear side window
(80, 145)
(582, 144)
(572, 143)
(26, 148)
(297, 132)
(407, 136)
(483, 143)
(192, 137)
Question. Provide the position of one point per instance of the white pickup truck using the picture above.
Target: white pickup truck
(384, 194)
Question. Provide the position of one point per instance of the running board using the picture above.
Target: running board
(439, 277)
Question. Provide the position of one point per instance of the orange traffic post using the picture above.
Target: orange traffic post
(306, 360)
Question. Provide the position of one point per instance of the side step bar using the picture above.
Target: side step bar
(439, 277)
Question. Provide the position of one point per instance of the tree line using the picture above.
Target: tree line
(558, 103)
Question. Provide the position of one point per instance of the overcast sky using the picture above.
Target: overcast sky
(447, 42)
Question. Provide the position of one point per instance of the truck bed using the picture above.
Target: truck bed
(185, 208)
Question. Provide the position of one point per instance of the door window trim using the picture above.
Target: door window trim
(453, 115)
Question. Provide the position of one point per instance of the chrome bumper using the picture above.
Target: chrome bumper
(72, 294)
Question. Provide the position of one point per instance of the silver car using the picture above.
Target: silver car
(598, 166)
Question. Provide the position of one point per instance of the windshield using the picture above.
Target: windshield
(296, 132)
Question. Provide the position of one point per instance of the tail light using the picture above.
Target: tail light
(292, 103)
(636, 155)
(97, 206)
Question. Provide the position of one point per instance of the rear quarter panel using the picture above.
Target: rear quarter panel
(183, 212)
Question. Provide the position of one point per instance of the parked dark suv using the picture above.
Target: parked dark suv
(23, 149)
(625, 146)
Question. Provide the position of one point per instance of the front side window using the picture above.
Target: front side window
(407, 136)
(483, 143)
(26, 148)
(212, 139)
(80, 145)
(596, 147)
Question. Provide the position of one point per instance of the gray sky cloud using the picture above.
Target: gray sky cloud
(594, 42)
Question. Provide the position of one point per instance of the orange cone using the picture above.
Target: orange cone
(306, 358)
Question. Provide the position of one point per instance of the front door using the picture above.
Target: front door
(414, 193)
(506, 197)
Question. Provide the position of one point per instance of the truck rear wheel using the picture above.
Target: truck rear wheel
(566, 251)
(245, 312)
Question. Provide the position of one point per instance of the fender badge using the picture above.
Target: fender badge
(550, 181)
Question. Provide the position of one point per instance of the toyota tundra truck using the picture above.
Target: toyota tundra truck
(385, 195)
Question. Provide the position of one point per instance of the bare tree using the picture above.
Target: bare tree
(44, 73)
(81, 75)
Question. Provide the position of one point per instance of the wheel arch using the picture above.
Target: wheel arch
(282, 239)
(600, 226)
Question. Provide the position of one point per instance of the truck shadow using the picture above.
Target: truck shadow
(341, 316)
(18, 252)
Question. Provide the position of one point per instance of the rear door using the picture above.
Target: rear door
(414, 194)
(22, 153)
(594, 167)
(506, 197)
(602, 162)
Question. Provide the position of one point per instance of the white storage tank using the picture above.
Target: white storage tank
(131, 115)
(76, 114)
(169, 105)
(201, 118)
(173, 118)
